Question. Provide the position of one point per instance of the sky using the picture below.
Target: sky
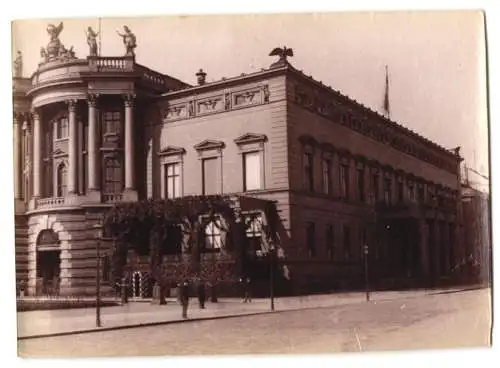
(436, 60)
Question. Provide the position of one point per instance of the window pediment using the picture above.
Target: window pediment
(209, 145)
(250, 138)
(171, 150)
(58, 153)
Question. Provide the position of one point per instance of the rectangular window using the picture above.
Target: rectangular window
(411, 192)
(375, 187)
(311, 239)
(211, 175)
(400, 191)
(252, 179)
(308, 172)
(62, 129)
(330, 242)
(344, 181)
(112, 176)
(172, 180)
(112, 122)
(361, 184)
(420, 193)
(213, 239)
(327, 176)
(387, 191)
(347, 242)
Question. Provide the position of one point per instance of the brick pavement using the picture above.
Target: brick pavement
(34, 324)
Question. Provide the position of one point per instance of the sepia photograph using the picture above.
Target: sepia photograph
(251, 184)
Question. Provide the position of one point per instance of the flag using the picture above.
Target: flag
(386, 95)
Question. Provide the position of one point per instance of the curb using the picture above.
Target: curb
(139, 325)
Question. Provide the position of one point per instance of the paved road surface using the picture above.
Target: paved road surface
(428, 321)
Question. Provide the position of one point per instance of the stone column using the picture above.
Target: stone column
(37, 155)
(72, 148)
(17, 156)
(92, 149)
(129, 143)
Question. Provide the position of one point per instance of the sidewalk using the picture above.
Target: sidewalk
(35, 324)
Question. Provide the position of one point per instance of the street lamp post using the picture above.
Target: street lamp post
(365, 251)
(271, 276)
(98, 227)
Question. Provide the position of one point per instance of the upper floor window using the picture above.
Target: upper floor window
(252, 171)
(308, 171)
(211, 175)
(112, 176)
(344, 180)
(112, 122)
(61, 177)
(62, 128)
(172, 180)
(326, 166)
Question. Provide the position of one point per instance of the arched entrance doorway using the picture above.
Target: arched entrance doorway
(48, 263)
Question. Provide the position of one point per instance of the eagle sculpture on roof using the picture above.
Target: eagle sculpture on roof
(283, 53)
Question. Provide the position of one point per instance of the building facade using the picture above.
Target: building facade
(95, 131)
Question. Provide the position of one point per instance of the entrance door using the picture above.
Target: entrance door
(136, 279)
(48, 263)
(48, 270)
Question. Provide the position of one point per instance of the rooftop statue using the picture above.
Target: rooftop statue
(92, 41)
(55, 50)
(18, 65)
(129, 41)
(283, 53)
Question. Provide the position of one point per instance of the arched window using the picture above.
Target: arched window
(213, 242)
(62, 174)
(112, 176)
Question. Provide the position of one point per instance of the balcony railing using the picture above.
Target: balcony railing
(112, 63)
(112, 198)
(50, 202)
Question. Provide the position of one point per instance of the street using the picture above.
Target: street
(445, 320)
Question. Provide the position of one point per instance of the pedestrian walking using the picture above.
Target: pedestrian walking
(201, 294)
(184, 297)
(247, 297)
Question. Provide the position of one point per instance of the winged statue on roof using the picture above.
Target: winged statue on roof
(283, 53)
(54, 31)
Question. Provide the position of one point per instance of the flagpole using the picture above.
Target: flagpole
(386, 95)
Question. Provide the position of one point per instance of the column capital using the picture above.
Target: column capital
(92, 99)
(71, 105)
(35, 113)
(129, 99)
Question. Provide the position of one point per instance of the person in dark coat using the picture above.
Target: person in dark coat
(201, 294)
(184, 297)
(247, 297)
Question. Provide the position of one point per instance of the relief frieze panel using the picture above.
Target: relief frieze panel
(210, 105)
(175, 112)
